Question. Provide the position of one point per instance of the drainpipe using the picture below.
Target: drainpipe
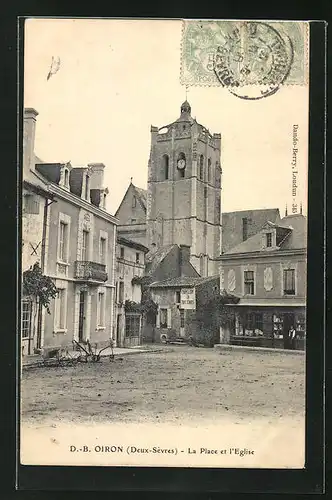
(42, 266)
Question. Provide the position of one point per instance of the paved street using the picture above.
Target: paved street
(181, 383)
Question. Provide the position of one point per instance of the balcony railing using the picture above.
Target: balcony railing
(90, 271)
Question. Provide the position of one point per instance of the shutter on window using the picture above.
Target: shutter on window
(31, 204)
(169, 324)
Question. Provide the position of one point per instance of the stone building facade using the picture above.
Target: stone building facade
(36, 199)
(67, 230)
(182, 203)
(130, 266)
(268, 273)
(184, 190)
(81, 255)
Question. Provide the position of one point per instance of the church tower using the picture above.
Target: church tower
(184, 190)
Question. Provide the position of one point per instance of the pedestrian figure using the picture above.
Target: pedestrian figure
(292, 336)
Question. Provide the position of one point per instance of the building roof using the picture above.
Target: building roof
(154, 258)
(232, 224)
(182, 281)
(295, 239)
(141, 195)
(133, 244)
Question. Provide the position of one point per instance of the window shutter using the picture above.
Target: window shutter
(31, 205)
(169, 318)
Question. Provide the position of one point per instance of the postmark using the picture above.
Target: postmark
(259, 53)
(253, 61)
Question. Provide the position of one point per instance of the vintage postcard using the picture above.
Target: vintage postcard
(164, 243)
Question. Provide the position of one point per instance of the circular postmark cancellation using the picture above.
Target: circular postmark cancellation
(253, 60)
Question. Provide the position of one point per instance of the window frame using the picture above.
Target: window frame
(249, 283)
(24, 320)
(163, 311)
(292, 291)
(60, 309)
(268, 240)
(85, 245)
(101, 310)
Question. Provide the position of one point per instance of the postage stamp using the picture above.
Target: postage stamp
(251, 58)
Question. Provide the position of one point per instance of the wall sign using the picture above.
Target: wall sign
(188, 298)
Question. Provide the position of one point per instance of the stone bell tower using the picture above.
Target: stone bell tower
(184, 190)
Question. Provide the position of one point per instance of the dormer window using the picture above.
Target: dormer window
(269, 239)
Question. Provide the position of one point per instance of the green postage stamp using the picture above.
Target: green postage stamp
(251, 58)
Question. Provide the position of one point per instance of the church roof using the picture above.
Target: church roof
(141, 195)
(154, 258)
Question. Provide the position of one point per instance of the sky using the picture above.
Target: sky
(119, 77)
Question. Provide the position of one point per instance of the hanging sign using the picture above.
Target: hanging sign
(188, 298)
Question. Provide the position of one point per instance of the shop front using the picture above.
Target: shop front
(269, 327)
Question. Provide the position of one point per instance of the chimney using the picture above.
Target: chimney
(97, 175)
(29, 131)
(184, 258)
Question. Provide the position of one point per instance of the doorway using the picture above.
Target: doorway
(288, 321)
(118, 332)
(81, 319)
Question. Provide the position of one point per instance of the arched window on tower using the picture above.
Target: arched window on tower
(201, 167)
(165, 167)
(209, 170)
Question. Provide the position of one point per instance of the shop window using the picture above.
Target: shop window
(249, 283)
(254, 324)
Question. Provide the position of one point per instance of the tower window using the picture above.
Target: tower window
(166, 167)
(209, 169)
(201, 167)
(133, 202)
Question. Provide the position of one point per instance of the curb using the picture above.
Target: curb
(229, 347)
